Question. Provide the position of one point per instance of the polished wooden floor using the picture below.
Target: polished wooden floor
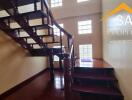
(42, 88)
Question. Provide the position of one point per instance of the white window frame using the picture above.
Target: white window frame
(85, 27)
(56, 3)
(86, 51)
(79, 1)
(57, 31)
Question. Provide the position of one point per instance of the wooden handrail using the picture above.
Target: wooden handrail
(54, 21)
(68, 58)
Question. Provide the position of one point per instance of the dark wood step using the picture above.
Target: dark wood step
(61, 55)
(45, 43)
(42, 36)
(94, 77)
(54, 50)
(39, 52)
(7, 5)
(52, 42)
(96, 82)
(44, 51)
(12, 35)
(96, 71)
(29, 15)
(38, 27)
(96, 90)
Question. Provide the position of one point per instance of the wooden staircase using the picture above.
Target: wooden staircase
(96, 84)
(91, 83)
(34, 42)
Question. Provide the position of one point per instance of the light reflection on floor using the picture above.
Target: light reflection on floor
(84, 63)
(59, 82)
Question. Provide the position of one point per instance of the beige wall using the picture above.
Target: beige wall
(70, 24)
(15, 66)
(71, 8)
(117, 47)
(71, 12)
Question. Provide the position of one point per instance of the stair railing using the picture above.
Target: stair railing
(68, 66)
(68, 57)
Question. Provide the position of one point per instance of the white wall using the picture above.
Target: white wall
(71, 8)
(117, 47)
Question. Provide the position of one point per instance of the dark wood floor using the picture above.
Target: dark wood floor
(42, 89)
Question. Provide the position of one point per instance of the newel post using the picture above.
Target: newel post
(67, 77)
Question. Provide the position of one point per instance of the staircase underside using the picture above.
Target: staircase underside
(22, 19)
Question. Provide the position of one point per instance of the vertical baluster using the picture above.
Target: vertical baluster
(26, 40)
(42, 6)
(42, 20)
(61, 40)
(35, 5)
(27, 20)
(51, 66)
(9, 23)
(60, 58)
(15, 4)
(32, 45)
(52, 30)
(68, 42)
(48, 16)
(18, 31)
(48, 21)
(35, 30)
(42, 9)
(67, 77)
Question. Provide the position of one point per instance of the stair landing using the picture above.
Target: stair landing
(92, 63)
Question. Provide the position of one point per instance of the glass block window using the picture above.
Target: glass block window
(85, 27)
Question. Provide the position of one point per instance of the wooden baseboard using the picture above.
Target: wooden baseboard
(19, 86)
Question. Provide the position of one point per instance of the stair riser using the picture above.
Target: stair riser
(94, 71)
(104, 83)
(85, 96)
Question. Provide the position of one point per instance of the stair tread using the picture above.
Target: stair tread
(37, 35)
(96, 90)
(50, 42)
(45, 43)
(39, 27)
(95, 68)
(30, 15)
(20, 3)
(98, 71)
(94, 76)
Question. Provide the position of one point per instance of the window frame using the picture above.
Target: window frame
(86, 53)
(56, 3)
(85, 27)
(81, 1)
